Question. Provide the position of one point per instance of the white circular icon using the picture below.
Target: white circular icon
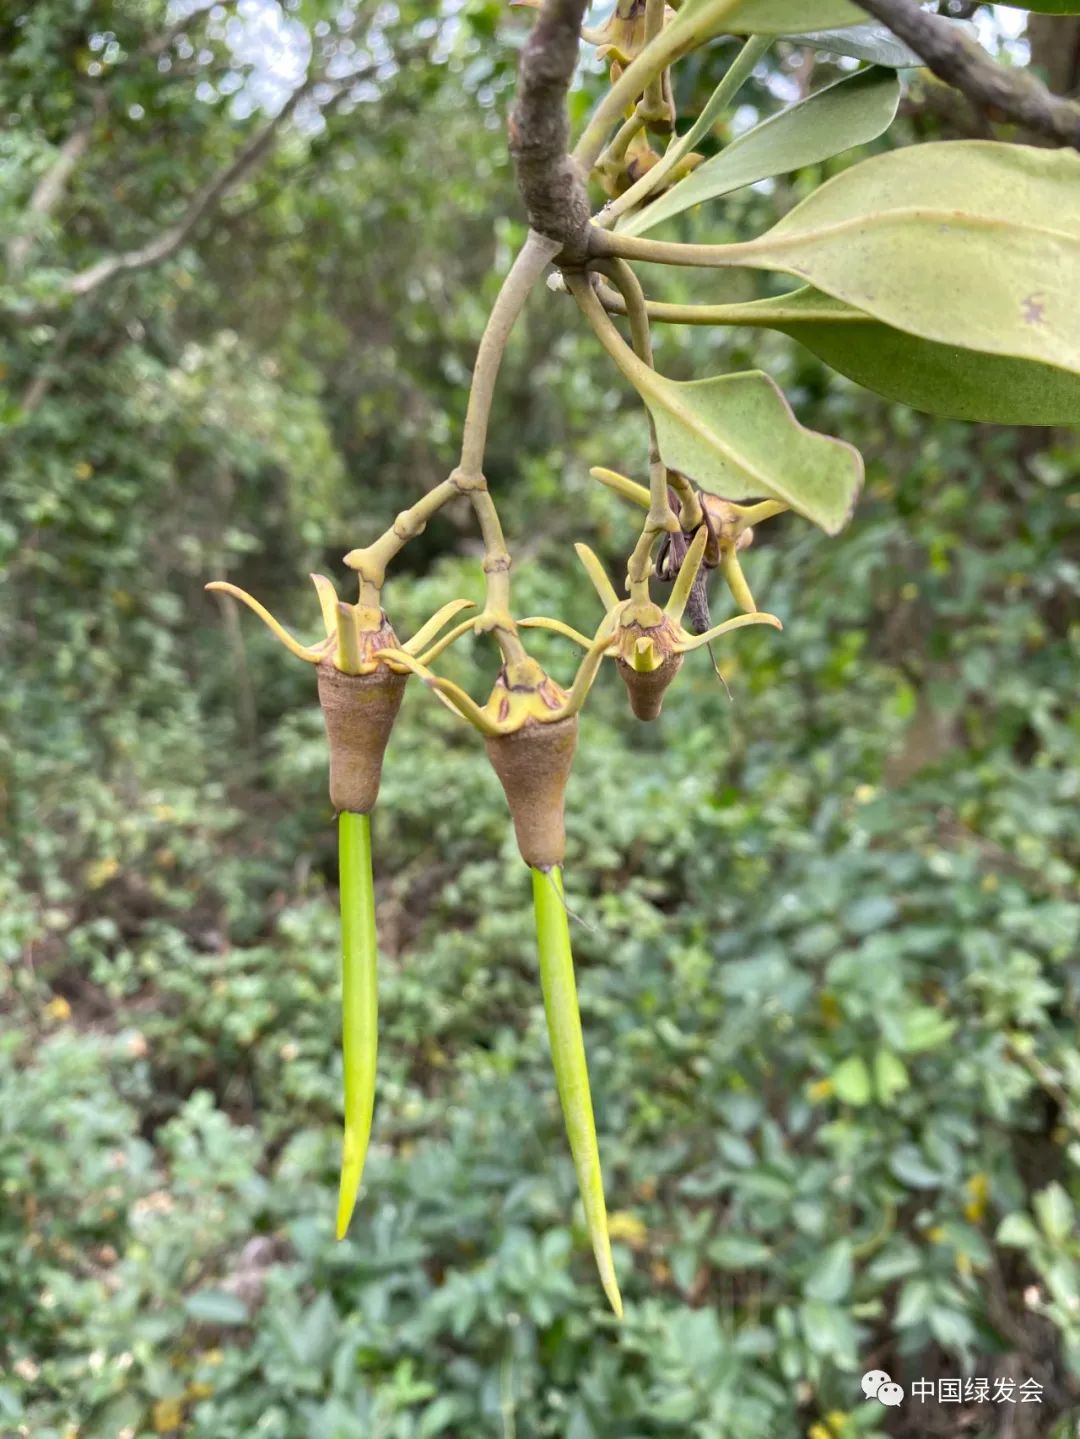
(872, 1381)
(890, 1394)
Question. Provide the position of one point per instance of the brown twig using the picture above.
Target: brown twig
(954, 57)
(550, 182)
(170, 239)
(51, 187)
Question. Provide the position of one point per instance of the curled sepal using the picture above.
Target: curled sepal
(648, 644)
(427, 632)
(452, 696)
(529, 726)
(311, 653)
(558, 627)
(571, 1070)
(688, 573)
(694, 642)
(359, 1004)
(598, 575)
(622, 485)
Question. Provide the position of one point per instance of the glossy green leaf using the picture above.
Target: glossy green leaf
(939, 379)
(969, 243)
(1055, 1213)
(872, 41)
(831, 1277)
(784, 17)
(1046, 7)
(890, 1076)
(737, 437)
(851, 1081)
(216, 1306)
(838, 117)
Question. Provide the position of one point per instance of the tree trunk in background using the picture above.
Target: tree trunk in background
(1055, 50)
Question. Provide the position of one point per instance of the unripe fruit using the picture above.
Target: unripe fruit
(359, 711)
(533, 765)
(646, 688)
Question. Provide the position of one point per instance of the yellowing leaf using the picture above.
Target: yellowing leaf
(781, 17)
(101, 871)
(960, 384)
(737, 437)
(628, 1228)
(978, 1192)
(890, 1076)
(968, 243)
(851, 1081)
(168, 1415)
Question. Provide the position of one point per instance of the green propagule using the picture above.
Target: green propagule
(944, 276)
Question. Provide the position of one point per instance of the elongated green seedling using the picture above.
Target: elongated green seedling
(359, 1003)
(568, 1058)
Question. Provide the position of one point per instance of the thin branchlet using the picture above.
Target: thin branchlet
(955, 58)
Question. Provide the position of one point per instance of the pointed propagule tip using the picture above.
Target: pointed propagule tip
(347, 1195)
(605, 1266)
(346, 1205)
(352, 1170)
(610, 1286)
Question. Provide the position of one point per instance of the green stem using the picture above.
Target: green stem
(654, 23)
(359, 1003)
(660, 517)
(641, 376)
(571, 1072)
(685, 33)
(737, 73)
(672, 252)
(766, 314)
(532, 260)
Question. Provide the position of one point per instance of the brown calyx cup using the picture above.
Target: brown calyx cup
(359, 711)
(533, 764)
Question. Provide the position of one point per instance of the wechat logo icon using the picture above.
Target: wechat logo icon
(876, 1384)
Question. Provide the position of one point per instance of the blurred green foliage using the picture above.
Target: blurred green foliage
(828, 950)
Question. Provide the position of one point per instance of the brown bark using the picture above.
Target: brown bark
(550, 182)
(1015, 94)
